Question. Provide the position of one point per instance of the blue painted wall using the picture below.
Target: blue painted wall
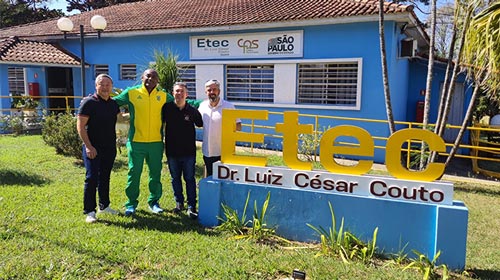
(332, 41)
(355, 40)
(402, 226)
(418, 74)
(339, 41)
(4, 87)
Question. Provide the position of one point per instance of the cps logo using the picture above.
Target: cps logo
(248, 45)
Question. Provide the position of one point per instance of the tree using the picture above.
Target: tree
(460, 20)
(88, 5)
(21, 12)
(383, 59)
(481, 57)
(445, 28)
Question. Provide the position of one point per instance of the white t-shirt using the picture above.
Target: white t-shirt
(212, 126)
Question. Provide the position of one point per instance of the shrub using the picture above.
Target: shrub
(343, 243)
(429, 267)
(12, 124)
(166, 67)
(309, 144)
(21, 121)
(259, 231)
(59, 131)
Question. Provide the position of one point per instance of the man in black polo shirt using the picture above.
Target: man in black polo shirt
(96, 127)
(180, 146)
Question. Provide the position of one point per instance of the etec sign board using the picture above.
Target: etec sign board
(249, 45)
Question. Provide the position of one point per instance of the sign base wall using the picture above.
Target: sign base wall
(427, 228)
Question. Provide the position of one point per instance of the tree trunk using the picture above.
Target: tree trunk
(464, 126)
(428, 87)
(385, 75)
(447, 79)
(450, 87)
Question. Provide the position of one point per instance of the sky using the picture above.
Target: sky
(61, 5)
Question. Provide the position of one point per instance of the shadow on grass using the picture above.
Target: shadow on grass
(14, 177)
(199, 171)
(484, 274)
(165, 222)
(120, 163)
(478, 190)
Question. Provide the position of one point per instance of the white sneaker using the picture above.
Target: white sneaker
(91, 218)
(107, 210)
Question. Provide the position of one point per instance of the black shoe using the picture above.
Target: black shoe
(192, 213)
(179, 207)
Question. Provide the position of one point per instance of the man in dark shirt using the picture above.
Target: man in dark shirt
(96, 127)
(180, 146)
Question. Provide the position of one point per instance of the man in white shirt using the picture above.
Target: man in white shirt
(211, 112)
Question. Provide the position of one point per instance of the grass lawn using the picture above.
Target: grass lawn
(43, 234)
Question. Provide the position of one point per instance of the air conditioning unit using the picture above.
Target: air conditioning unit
(408, 47)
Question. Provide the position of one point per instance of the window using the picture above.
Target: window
(250, 83)
(187, 74)
(128, 72)
(101, 69)
(16, 81)
(328, 83)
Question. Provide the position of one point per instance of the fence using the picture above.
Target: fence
(483, 148)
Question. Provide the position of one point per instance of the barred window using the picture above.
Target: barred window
(101, 69)
(128, 72)
(187, 75)
(328, 83)
(16, 80)
(250, 83)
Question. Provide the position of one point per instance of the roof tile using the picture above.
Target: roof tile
(184, 14)
(161, 15)
(15, 50)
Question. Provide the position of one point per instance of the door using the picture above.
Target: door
(456, 115)
(60, 85)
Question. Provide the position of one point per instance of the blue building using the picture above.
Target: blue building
(312, 56)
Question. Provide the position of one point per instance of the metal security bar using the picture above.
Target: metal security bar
(250, 83)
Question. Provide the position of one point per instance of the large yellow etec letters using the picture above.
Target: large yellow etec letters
(393, 154)
(230, 136)
(291, 129)
(328, 149)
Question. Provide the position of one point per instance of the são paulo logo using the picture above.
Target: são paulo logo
(281, 44)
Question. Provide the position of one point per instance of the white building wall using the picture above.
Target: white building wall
(285, 83)
(205, 72)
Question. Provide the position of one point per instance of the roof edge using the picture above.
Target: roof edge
(404, 17)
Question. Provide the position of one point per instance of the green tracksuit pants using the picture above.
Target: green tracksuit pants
(138, 152)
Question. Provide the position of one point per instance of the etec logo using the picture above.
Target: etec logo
(208, 43)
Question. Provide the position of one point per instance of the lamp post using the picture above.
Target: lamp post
(66, 25)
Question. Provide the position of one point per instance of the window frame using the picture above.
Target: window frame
(285, 85)
(128, 76)
(348, 85)
(189, 79)
(19, 80)
(254, 83)
(101, 69)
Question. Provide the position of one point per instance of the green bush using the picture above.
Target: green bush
(12, 124)
(166, 66)
(59, 131)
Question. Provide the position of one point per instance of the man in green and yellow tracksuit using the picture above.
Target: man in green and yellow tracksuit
(145, 139)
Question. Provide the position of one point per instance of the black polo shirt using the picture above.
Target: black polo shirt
(101, 126)
(180, 134)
